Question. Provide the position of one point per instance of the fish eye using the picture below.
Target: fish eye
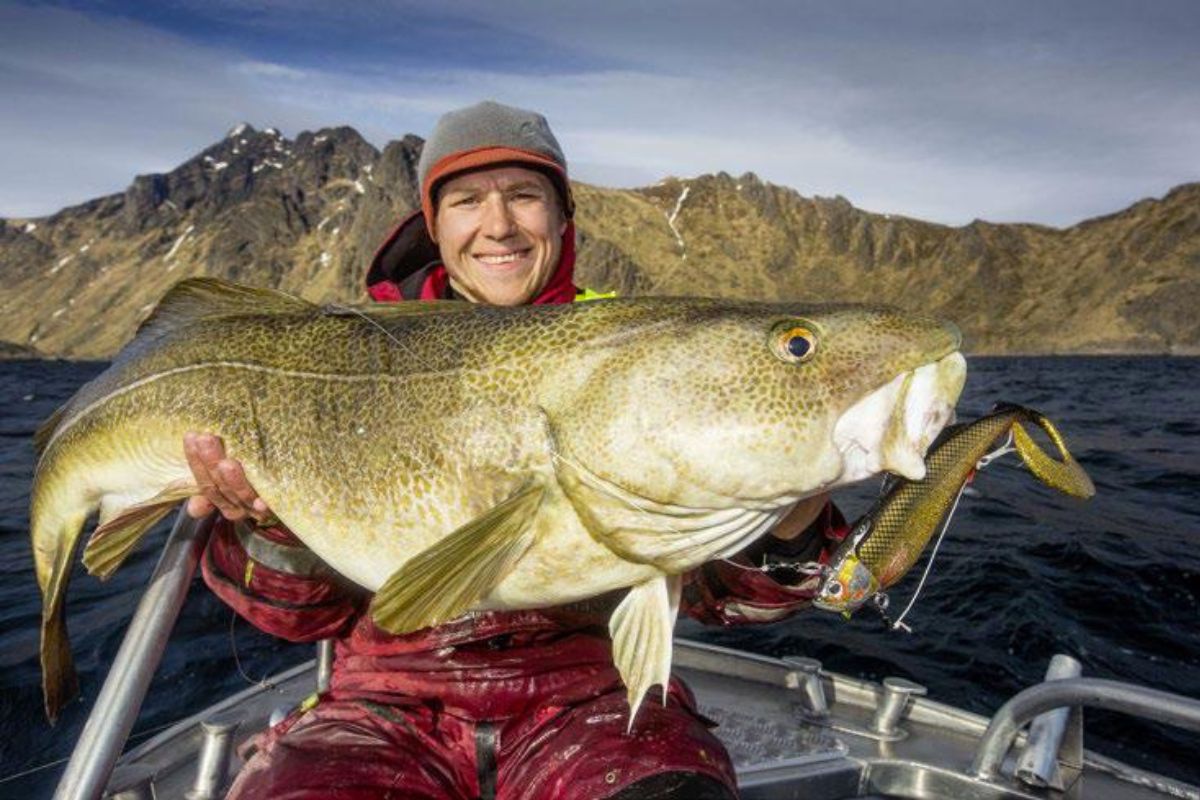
(794, 343)
(834, 589)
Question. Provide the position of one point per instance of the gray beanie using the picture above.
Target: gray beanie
(485, 134)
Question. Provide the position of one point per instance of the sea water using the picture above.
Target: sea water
(1023, 573)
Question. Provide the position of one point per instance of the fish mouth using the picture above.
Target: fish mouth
(890, 429)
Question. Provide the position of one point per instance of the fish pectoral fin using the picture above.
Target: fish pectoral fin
(641, 628)
(444, 581)
(113, 541)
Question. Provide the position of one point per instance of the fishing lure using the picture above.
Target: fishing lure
(886, 542)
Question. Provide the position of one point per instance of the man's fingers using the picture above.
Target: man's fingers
(198, 507)
(205, 453)
(802, 515)
(231, 479)
(194, 453)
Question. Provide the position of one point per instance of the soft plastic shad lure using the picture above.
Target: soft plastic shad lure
(887, 541)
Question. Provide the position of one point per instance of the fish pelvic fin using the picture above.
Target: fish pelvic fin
(446, 580)
(641, 628)
(113, 541)
(1066, 475)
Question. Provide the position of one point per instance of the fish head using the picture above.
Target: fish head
(846, 586)
(708, 405)
(726, 404)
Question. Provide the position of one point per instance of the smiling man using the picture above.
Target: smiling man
(511, 704)
(500, 234)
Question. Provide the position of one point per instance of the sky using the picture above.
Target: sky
(1047, 111)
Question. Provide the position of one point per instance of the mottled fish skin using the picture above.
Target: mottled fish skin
(887, 541)
(374, 433)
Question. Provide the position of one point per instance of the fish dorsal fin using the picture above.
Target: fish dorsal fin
(641, 628)
(384, 312)
(447, 579)
(113, 540)
(203, 298)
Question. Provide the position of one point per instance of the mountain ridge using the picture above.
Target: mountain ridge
(304, 215)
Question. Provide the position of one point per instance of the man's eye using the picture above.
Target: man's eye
(468, 200)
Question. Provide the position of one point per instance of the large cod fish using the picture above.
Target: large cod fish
(452, 457)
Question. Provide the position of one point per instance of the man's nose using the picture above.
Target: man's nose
(498, 222)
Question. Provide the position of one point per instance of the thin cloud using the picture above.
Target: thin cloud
(266, 69)
(942, 110)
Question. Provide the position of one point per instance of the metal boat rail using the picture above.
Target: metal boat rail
(1140, 701)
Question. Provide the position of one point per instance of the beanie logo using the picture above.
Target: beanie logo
(536, 131)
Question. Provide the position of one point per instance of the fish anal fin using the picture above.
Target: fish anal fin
(444, 581)
(113, 541)
(642, 627)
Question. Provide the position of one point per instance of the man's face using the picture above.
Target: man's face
(500, 233)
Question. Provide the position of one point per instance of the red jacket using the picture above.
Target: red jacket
(485, 665)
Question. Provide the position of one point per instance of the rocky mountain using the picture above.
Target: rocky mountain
(305, 215)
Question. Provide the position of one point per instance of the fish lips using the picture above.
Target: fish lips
(890, 429)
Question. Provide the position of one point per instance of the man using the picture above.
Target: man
(508, 704)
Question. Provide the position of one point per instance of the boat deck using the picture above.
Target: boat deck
(764, 708)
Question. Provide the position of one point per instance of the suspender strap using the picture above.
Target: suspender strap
(487, 738)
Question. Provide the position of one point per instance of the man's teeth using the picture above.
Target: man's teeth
(507, 258)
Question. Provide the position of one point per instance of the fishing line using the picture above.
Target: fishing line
(262, 684)
(64, 759)
(980, 464)
(899, 623)
(1003, 449)
(382, 329)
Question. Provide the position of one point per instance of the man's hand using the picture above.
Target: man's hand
(222, 482)
(800, 517)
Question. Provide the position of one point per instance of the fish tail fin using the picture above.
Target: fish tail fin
(60, 681)
(1066, 475)
(66, 490)
(55, 539)
(115, 539)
